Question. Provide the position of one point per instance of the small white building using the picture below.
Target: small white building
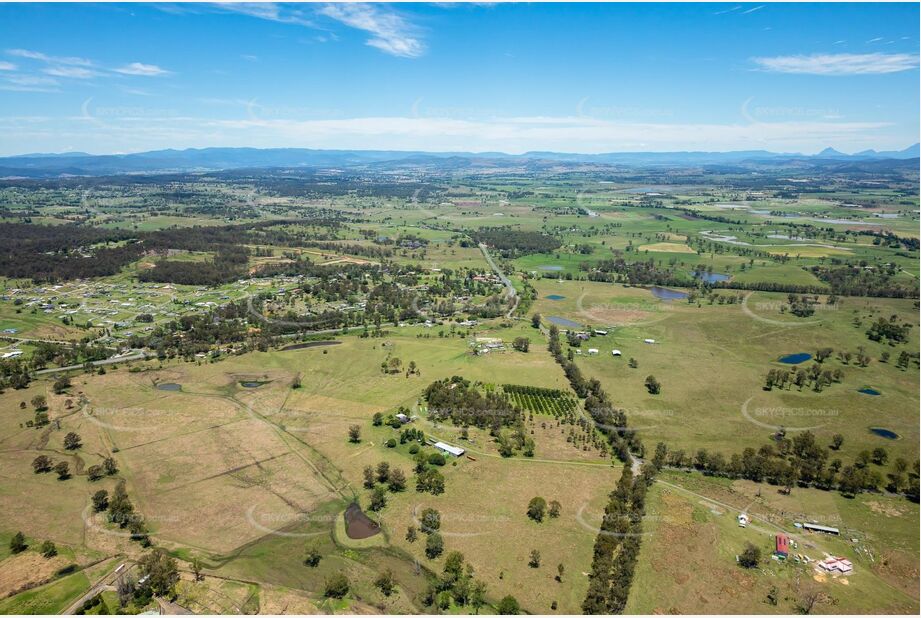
(600, 332)
(615, 353)
(592, 351)
(649, 340)
(447, 448)
(402, 418)
(12, 354)
(833, 564)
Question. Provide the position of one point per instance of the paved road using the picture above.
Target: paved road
(109, 361)
(104, 583)
(33, 340)
(510, 289)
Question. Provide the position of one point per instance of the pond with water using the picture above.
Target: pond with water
(667, 294)
(555, 297)
(866, 390)
(551, 267)
(795, 359)
(882, 432)
(252, 384)
(358, 525)
(711, 277)
(169, 386)
(555, 319)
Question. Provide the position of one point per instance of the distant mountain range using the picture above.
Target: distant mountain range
(44, 165)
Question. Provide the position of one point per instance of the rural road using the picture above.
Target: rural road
(104, 583)
(33, 340)
(108, 361)
(512, 293)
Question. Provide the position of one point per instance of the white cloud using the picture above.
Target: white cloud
(138, 68)
(71, 72)
(269, 11)
(147, 131)
(34, 55)
(7, 66)
(839, 64)
(752, 10)
(29, 83)
(390, 32)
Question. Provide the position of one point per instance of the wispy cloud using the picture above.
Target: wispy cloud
(46, 73)
(139, 68)
(723, 12)
(875, 39)
(270, 11)
(29, 83)
(390, 32)
(752, 10)
(839, 64)
(71, 72)
(34, 55)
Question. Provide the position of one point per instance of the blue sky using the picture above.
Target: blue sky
(107, 78)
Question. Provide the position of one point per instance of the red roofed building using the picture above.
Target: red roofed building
(781, 545)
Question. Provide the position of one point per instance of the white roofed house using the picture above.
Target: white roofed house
(447, 448)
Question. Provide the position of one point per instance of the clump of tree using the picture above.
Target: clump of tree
(456, 586)
(892, 330)
(336, 586)
(18, 543)
(537, 508)
(618, 543)
(461, 402)
(312, 555)
(522, 344)
(42, 464)
(121, 511)
(750, 556)
(159, 572)
(354, 434)
(49, 549)
(72, 441)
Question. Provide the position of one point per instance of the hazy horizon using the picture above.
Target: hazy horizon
(512, 78)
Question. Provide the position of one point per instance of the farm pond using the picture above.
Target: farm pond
(884, 433)
(667, 294)
(555, 319)
(795, 359)
(358, 525)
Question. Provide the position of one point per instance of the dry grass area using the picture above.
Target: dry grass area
(666, 247)
(687, 561)
(212, 595)
(484, 516)
(275, 600)
(26, 570)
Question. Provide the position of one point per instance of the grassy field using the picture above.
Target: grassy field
(711, 361)
(229, 463)
(687, 560)
(51, 598)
